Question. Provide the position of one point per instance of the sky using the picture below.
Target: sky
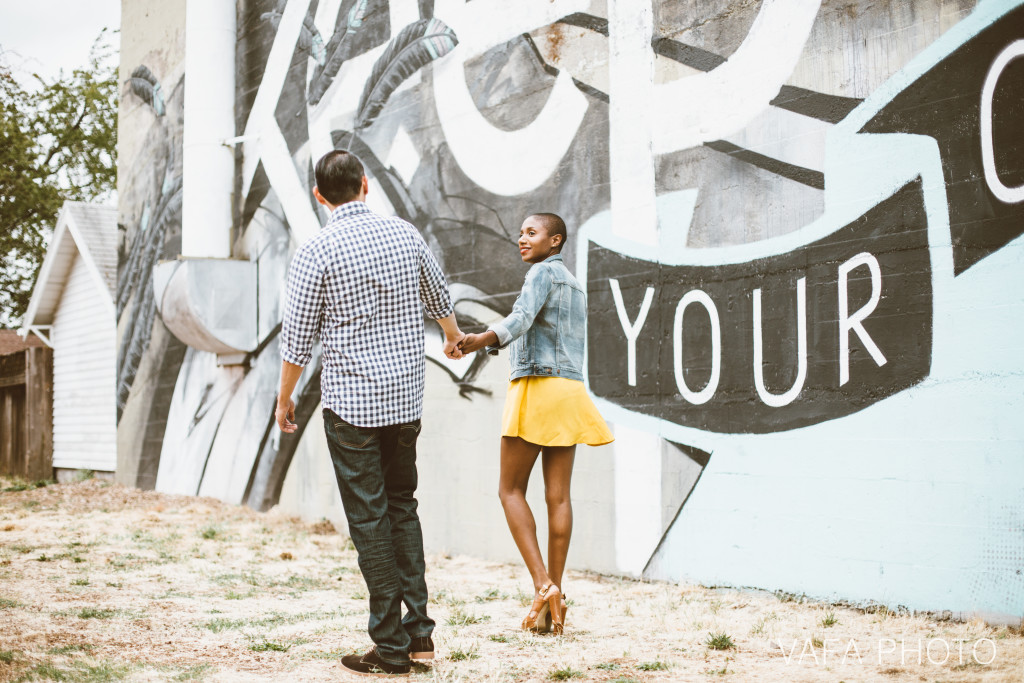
(45, 36)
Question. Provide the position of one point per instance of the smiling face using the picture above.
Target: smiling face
(535, 244)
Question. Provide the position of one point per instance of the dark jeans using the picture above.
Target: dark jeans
(376, 472)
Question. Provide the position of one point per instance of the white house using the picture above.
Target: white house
(72, 310)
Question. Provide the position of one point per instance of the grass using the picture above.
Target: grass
(498, 638)
(96, 613)
(269, 646)
(719, 641)
(19, 485)
(758, 627)
(7, 603)
(460, 655)
(460, 617)
(80, 582)
(829, 619)
(77, 672)
(656, 665)
(6, 656)
(624, 679)
(211, 532)
(565, 674)
(607, 666)
(195, 673)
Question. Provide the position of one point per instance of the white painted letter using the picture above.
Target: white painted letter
(848, 323)
(779, 400)
(632, 330)
(705, 394)
(1008, 195)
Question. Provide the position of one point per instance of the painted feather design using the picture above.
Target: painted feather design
(145, 85)
(309, 37)
(415, 46)
(335, 51)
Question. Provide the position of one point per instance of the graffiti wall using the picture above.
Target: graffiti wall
(799, 227)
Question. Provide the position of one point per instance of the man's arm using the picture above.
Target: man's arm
(285, 412)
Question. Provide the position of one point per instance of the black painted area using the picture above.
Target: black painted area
(806, 176)
(817, 105)
(693, 57)
(894, 232)
(945, 103)
(587, 21)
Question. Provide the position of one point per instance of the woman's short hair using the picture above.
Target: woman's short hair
(554, 224)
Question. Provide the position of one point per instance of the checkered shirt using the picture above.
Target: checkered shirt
(361, 285)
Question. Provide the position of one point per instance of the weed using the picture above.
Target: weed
(269, 646)
(80, 582)
(68, 649)
(758, 628)
(719, 641)
(6, 656)
(656, 665)
(446, 597)
(211, 532)
(460, 655)
(829, 619)
(564, 674)
(817, 642)
(785, 596)
(607, 666)
(7, 603)
(460, 617)
(498, 638)
(23, 549)
(96, 613)
(715, 605)
(491, 594)
(623, 679)
(194, 673)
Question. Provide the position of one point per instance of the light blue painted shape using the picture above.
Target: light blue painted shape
(917, 500)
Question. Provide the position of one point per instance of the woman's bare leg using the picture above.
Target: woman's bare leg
(517, 459)
(557, 467)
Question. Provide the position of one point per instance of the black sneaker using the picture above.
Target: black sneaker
(421, 649)
(370, 664)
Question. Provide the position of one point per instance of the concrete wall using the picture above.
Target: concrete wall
(799, 226)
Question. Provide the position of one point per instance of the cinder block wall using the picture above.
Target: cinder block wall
(798, 224)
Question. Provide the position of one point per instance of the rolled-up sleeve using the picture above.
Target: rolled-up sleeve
(304, 308)
(437, 301)
(536, 288)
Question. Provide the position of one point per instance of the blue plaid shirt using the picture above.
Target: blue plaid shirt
(361, 285)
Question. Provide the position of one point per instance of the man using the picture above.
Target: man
(361, 285)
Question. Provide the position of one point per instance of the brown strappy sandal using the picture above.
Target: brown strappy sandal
(556, 609)
(539, 620)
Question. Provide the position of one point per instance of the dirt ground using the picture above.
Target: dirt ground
(100, 582)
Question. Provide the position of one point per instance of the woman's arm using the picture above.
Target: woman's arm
(539, 281)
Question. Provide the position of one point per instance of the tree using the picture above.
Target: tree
(56, 143)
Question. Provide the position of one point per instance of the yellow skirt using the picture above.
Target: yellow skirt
(552, 411)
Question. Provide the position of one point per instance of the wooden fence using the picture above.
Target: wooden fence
(26, 414)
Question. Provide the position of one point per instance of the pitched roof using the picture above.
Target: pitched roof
(11, 342)
(86, 229)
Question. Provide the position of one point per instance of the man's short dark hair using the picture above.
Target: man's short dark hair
(339, 176)
(554, 224)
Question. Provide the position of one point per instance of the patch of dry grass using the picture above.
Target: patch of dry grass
(140, 586)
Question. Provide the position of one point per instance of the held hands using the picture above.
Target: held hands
(452, 345)
(475, 342)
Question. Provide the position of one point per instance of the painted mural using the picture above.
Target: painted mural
(799, 224)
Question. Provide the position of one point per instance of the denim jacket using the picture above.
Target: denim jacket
(548, 323)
